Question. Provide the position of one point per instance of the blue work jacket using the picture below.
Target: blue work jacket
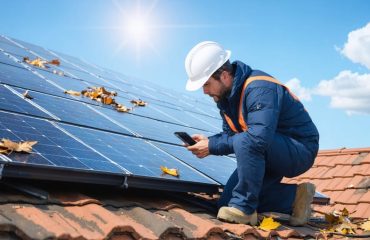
(268, 108)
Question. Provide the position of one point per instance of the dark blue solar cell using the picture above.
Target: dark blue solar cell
(42, 52)
(180, 117)
(32, 158)
(82, 66)
(21, 77)
(15, 50)
(4, 133)
(15, 103)
(135, 155)
(66, 161)
(217, 167)
(59, 150)
(149, 128)
(75, 112)
(7, 60)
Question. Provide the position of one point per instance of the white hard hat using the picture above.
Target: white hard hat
(202, 61)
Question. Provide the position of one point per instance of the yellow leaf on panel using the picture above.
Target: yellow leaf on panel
(170, 171)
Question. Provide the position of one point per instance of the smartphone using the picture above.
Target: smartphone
(185, 138)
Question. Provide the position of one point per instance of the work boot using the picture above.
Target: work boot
(302, 204)
(234, 215)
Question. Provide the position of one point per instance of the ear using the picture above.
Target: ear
(226, 78)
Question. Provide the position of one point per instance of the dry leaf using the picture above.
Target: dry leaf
(17, 147)
(71, 92)
(345, 212)
(268, 223)
(55, 62)
(122, 108)
(107, 99)
(38, 62)
(139, 102)
(346, 228)
(26, 94)
(170, 171)
(366, 225)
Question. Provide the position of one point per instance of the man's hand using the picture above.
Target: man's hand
(200, 149)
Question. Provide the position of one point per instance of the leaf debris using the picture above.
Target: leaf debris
(27, 95)
(170, 171)
(7, 146)
(41, 63)
(268, 223)
(71, 92)
(139, 102)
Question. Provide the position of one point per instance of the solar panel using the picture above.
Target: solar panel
(74, 112)
(216, 167)
(136, 155)
(22, 77)
(148, 128)
(11, 47)
(12, 102)
(7, 60)
(92, 142)
(54, 147)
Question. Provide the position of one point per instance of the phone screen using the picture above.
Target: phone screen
(186, 138)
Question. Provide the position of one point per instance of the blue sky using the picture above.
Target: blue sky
(321, 49)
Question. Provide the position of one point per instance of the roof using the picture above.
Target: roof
(344, 176)
(90, 212)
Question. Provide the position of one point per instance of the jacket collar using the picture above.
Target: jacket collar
(241, 72)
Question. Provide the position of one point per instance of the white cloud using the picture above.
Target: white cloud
(357, 47)
(349, 91)
(302, 93)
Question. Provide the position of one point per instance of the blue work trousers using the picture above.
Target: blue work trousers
(256, 183)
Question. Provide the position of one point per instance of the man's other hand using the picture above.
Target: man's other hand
(200, 149)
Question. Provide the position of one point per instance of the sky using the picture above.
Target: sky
(320, 49)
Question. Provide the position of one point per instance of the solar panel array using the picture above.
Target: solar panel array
(82, 140)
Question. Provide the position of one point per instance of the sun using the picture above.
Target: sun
(137, 29)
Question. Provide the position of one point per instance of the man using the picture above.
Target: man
(267, 128)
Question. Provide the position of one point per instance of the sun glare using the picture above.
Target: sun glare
(137, 29)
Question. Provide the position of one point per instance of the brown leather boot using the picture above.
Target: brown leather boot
(234, 215)
(302, 204)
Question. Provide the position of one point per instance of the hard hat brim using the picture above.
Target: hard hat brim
(195, 84)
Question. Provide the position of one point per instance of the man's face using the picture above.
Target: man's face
(215, 89)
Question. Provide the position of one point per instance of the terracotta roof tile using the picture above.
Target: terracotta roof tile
(343, 175)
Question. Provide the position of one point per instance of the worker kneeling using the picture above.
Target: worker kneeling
(267, 128)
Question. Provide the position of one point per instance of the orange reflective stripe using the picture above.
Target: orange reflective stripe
(242, 123)
(230, 123)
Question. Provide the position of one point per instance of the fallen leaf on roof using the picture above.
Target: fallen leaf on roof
(170, 171)
(27, 95)
(10, 146)
(41, 63)
(71, 92)
(366, 225)
(268, 223)
(38, 62)
(346, 228)
(340, 221)
(122, 108)
(99, 94)
(55, 62)
(139, 102)
(107, 99)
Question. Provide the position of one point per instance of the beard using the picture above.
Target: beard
(221, 97)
